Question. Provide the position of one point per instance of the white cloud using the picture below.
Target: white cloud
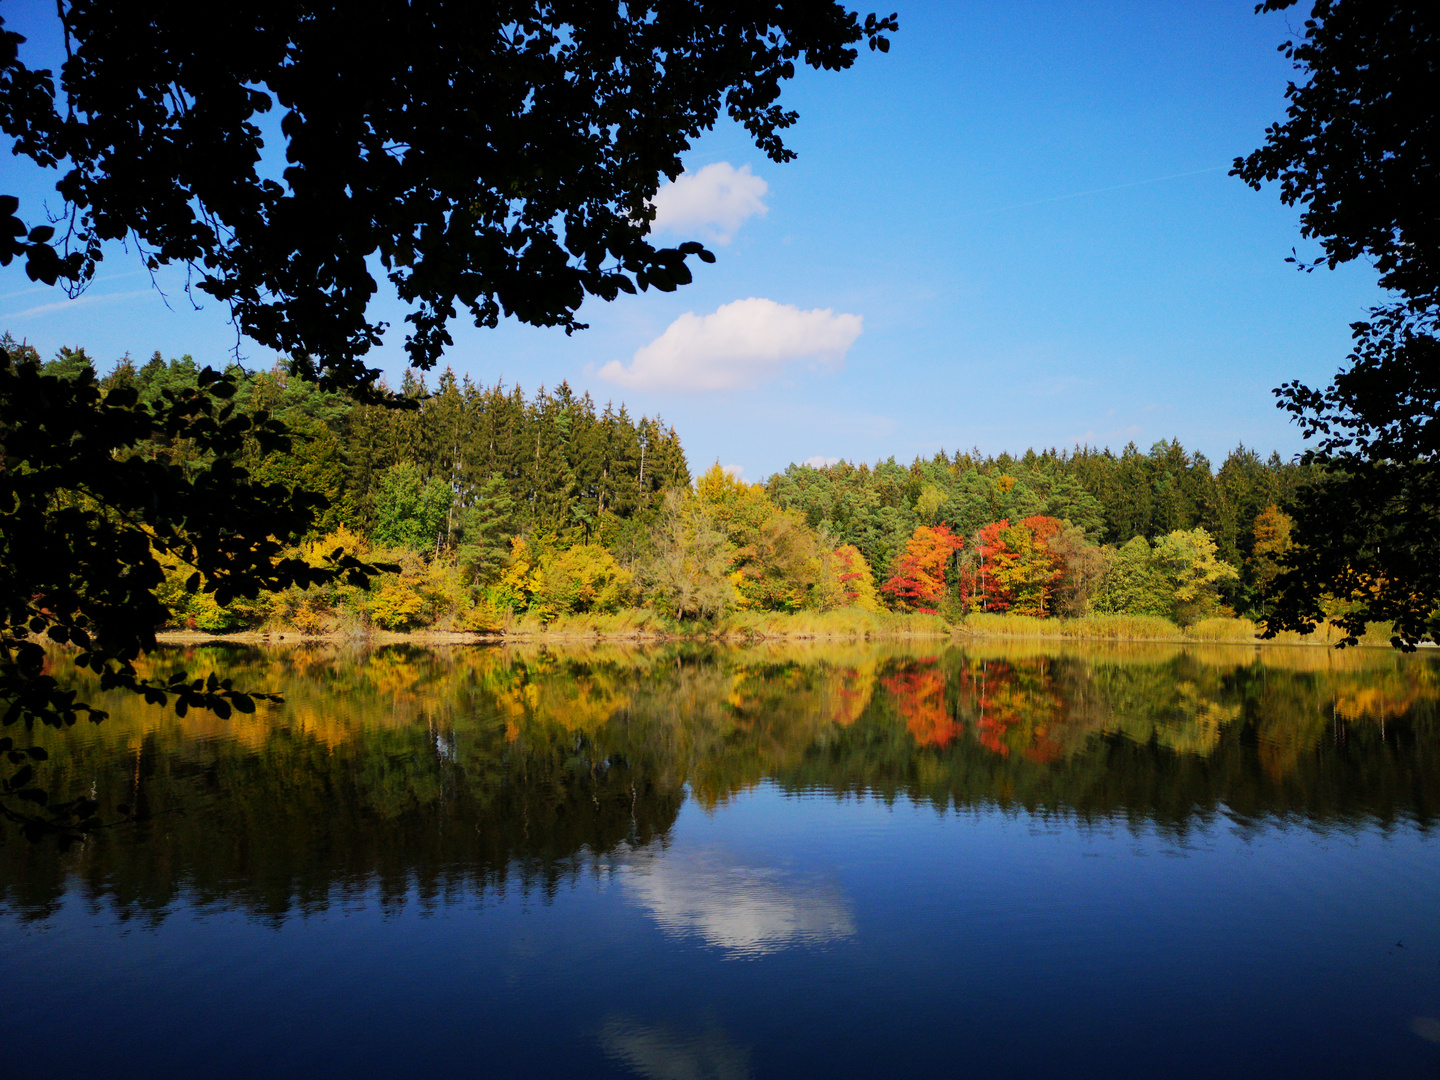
(818, 462)
(738, 346)
(715, 202)
(737, 471)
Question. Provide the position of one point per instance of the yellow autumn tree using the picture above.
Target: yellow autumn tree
(584, 578)
(778, 560)
(850, 581)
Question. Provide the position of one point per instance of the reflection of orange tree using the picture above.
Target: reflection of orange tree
(917, 580)
(919, 690)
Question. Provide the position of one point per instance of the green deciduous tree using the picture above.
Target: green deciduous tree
(1193, 572)
(688, 576)
(1134, 585)
(1179, 577)
(410, 511)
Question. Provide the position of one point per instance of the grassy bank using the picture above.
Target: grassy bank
(846, 624)
(1152, 628)
(843, 623)
(632, 624)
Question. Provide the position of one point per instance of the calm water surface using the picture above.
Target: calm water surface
(680, 864)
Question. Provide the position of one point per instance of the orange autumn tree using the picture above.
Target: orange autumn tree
(917, 578)
(1272, 531)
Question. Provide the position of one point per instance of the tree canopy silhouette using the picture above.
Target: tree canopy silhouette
(1357, 151)
(500, 157)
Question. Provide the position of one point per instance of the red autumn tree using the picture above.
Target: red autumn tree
(982, 582)
(917, 579)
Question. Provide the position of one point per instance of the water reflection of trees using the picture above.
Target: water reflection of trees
(435, 773)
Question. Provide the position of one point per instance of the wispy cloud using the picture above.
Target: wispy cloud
(1106, 438)
(736, 347)
(713, 202)
(1105, 190)
(819, 462)
(50, 289)
(88, 300)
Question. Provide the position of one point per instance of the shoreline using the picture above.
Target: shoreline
(1252, 643)
(469, 637)
(637, 638)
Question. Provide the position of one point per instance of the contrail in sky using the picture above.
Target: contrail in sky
(1101, 191)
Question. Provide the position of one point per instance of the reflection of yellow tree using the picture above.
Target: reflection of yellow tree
(1293, 717)
(1192, 720)
(771, 713)
(1377, 704)
(851, 693)
(579, 703)
(1181, 706)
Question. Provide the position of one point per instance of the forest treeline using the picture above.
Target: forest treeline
(495, 505)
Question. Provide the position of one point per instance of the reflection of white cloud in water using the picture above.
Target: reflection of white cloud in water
(746, 910)
(1427, 1027)
(658, 1053)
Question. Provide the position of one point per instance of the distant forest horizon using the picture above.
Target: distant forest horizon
(67, 358)
(548, 504)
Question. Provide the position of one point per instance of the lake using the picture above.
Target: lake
(1003, 860)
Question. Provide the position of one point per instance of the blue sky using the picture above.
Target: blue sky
(1015, 229)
